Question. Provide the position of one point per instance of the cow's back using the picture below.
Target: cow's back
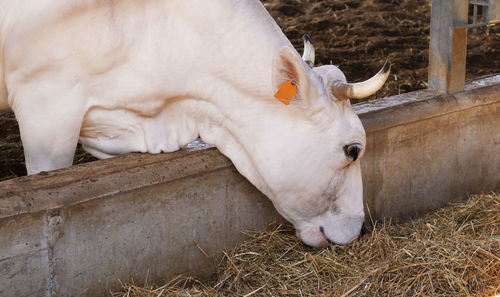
(100, 44)
(112, 63)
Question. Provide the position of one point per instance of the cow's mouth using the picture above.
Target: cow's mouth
(313, 238)
(363, 231)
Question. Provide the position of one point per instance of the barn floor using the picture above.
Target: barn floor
(356, 35)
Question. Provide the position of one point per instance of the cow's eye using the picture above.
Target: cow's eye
(352, 151)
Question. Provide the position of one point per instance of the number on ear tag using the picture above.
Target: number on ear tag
(286, 92)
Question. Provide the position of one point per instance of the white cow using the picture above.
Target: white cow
(152, 75)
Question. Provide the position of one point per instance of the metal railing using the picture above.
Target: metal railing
(448, 44)
(485, 12)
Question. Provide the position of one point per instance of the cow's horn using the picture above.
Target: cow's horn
(308, 55)
(360, 90)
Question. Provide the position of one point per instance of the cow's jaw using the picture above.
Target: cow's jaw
(339, 217)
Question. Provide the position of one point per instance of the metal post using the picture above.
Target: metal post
(448, 45)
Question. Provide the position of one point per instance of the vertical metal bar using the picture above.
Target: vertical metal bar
(486, 13)
(474, 16)
(448, 45)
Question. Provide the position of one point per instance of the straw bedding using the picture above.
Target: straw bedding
(453, 252)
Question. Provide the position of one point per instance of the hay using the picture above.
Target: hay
(453, 252)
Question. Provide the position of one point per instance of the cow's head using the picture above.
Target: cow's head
(313, 171)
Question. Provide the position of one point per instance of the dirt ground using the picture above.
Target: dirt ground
(356, 35)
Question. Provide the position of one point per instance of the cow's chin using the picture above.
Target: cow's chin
(319, 236)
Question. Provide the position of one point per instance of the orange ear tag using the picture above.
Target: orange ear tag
(286, 92)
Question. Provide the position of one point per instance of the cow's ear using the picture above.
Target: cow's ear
(290, 80)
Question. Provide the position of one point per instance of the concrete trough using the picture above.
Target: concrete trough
(77, 231)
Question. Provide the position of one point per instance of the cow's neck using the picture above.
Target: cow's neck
(231, 91)
(235, 121)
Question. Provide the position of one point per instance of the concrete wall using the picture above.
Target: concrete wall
(426, 149)
(76, 231)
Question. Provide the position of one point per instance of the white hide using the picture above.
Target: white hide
(150, 76)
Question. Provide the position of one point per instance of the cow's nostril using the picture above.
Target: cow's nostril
(364, 230)
(322, 230)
